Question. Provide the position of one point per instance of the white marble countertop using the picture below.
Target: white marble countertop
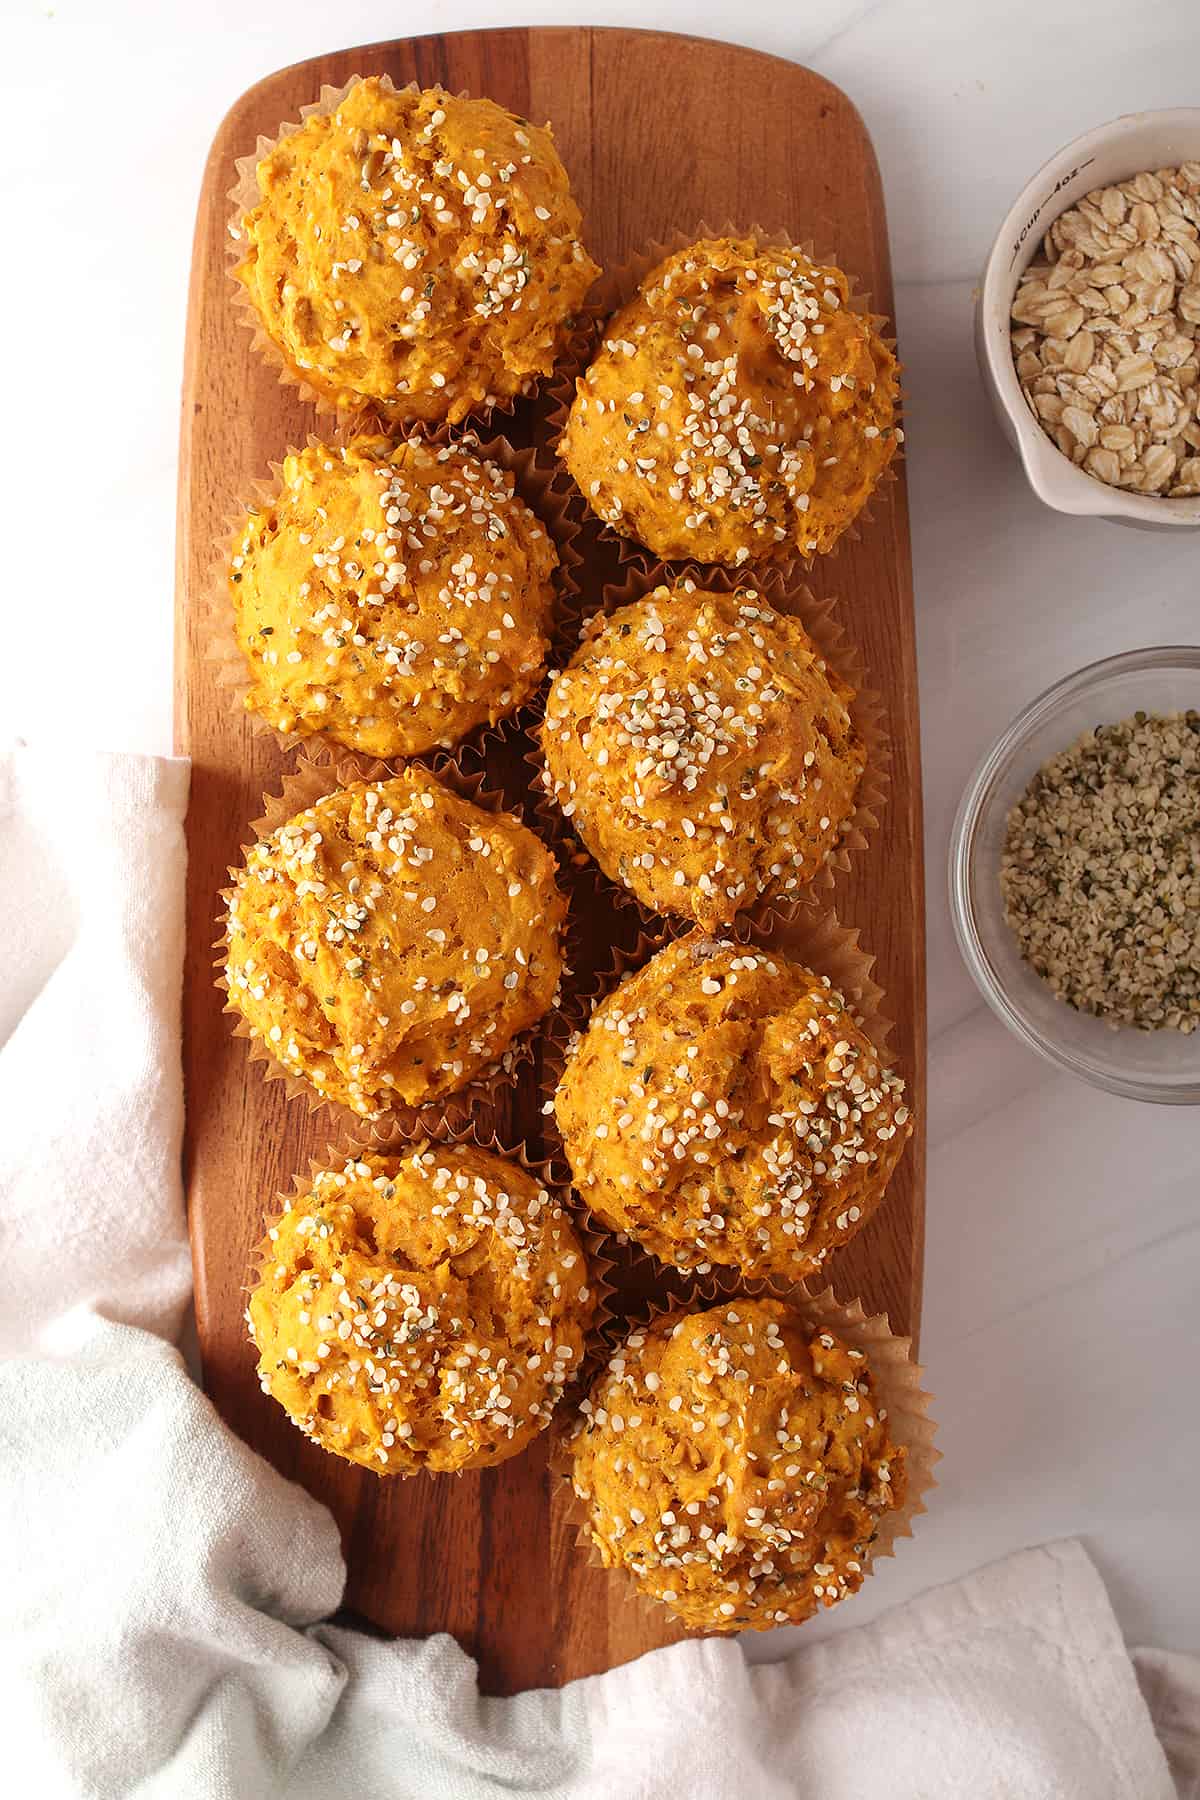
(1063, 1265)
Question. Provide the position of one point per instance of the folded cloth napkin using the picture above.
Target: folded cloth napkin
(164, 1588)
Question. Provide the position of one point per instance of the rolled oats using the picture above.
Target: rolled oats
(1106, 324)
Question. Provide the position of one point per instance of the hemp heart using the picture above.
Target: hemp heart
(1101, 872)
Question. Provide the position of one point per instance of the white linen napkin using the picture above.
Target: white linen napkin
(164, 1588)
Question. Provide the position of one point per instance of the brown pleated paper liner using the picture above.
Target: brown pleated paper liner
(898, 1384)
(542, 486)
(385, 1140)
(821, 619)
(498, 755)
(573, 354)
(315, 775)
(618, 285)
(563, 1030)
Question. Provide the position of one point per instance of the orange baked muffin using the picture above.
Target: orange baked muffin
(736, 1463)
(422, 1310)
(389, 943)
(738, 407)
(725, 1107)
(417, 252)
(703, 750)
(391, 596)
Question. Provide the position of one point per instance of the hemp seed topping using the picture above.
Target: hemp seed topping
(421, 1309)
(1101, 872)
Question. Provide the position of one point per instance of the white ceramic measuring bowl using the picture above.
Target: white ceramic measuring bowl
(1113, 152)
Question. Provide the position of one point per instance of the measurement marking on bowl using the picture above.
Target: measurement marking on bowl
(1064, 181)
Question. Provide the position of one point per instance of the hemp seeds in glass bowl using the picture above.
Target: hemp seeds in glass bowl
(1075, 875)
(1101, 872)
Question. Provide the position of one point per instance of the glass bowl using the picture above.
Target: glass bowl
(1144, 1065)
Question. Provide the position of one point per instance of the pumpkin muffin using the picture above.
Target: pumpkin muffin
(738, 408)
(389, 942)
(417, 252)
(421, 1311)
(703, 751)
(725, 1107)
(392, 596)
(736, 1463)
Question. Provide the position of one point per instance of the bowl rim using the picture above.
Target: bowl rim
(1053, 477)
(962, 842)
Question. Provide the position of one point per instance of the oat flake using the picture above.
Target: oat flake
(1104, 333)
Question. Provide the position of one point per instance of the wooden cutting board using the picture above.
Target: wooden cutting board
(658, 133)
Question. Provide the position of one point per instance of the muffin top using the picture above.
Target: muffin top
(736, 1463)
(702, 750)
(738, 407)
(392, 596)
(725, 1107)
(415, 251)
(389, 942)
(421, 1311)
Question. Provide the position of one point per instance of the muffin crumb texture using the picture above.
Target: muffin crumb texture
(390, 942)
(415, 251)
(738, 407)
(736, 1463)
(422, 1311)
(724, 1107)
(1100, 872)
(391, 596)
(703, 750)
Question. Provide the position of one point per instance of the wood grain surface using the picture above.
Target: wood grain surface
(658, 133)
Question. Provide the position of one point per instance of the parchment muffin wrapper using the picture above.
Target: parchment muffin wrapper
(898, 1385)
(244, 196)
(542, 486)
(617, 285)
(316, 774)
(820, 618)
